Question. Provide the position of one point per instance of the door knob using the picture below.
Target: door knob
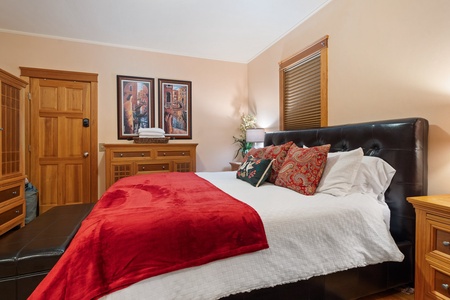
(86, 154)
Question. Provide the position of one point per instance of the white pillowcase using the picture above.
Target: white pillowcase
(374, 176)
(340, 172)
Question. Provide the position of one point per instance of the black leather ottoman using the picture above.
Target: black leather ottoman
(28, 254)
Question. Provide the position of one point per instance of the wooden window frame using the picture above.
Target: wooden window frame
(321, 47)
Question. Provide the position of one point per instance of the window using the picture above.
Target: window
(303, 88)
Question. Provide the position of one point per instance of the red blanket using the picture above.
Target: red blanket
(147, 225)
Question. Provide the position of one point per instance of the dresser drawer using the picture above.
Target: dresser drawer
(442, 241)
(442, 284)
(173, 153)
(10, 193)
(132, 154)
(11, 214)
(153, 167)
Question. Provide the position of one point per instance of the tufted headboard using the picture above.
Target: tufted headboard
(403, 143)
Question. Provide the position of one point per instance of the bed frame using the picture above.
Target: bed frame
(403, 143)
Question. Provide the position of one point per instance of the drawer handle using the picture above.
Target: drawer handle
(164, 153)
(183, 153)
(446, 243)
(445, 286)
(164, 167)
(17, 212)
(121, 154)
(14, 193)
(142, 154)
(143, 168)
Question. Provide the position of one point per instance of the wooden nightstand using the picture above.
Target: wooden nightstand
(235, 165)
(432, 246)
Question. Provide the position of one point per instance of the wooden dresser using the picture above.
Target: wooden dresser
(122, 160)
(432, 246)
(12, 174)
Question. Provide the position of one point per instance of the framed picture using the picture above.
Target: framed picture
(175, 108)
(136, 105)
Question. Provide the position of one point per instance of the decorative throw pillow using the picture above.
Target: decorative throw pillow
(278, 154)
(255, 152)
(254, 170)
(340, 172)
(303, 168)
(275, 153)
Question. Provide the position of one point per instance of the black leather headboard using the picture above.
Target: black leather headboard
(403, 143)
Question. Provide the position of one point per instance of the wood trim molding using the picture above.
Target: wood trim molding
(322, 43)
(12, 80)
(58, 74)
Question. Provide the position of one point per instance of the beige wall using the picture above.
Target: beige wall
(219, 89)
(387, 59)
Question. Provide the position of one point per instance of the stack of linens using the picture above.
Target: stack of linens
(151, 135)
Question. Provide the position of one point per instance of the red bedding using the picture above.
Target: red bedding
(147, 225)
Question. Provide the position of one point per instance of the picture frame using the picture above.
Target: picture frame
(136, 105)
(175, 108)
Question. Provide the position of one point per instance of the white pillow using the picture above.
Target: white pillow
(340, 172)
(374, 176)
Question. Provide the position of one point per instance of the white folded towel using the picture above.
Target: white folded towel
(153, 130)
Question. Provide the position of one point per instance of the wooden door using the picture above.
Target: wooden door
(60, 141)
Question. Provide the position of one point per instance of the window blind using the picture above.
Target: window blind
(303, 89)
(302, 94)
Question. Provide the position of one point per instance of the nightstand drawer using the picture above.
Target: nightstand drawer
(442, 284)
(131, 154)
(442, 241)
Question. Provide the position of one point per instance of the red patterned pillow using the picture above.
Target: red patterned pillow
(278, 154)
(255, 152)
(303, 168)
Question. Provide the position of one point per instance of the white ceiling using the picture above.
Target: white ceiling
(228, 30)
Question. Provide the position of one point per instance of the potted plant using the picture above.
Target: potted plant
(247, 121)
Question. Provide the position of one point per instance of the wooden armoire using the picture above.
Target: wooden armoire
(12, 174)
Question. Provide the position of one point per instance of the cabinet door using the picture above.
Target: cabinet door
(182, 166)
(12, 178)
(120, 170)
(10, 127)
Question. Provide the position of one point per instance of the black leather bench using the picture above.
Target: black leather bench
(28, 254)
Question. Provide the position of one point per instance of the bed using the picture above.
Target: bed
(384, 253)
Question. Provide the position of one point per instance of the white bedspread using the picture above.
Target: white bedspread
(307, 235)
